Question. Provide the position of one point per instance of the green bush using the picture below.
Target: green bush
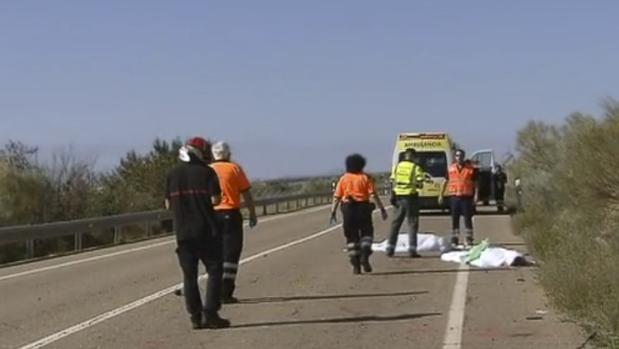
(571, 215)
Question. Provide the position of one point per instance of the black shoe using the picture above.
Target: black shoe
(414, 254)
(455, 241)
(389, 253)
(365, 263)
(355, 261)
(213, 321)
(196, 321)
(470, 242)
(229, 300)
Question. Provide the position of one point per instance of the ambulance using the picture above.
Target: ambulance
(434, 153)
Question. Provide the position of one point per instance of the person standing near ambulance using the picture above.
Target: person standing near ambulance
(234, 184)
(462, 187)
(407, 178)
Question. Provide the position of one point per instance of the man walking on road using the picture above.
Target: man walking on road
(407, 178)
(234, 184)
(192, 189)
(462, 187)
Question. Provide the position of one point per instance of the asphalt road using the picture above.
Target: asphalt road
(297, 291)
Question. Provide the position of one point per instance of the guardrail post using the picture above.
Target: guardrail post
(287, 206)
(29, 249)
(77, 239)
(147, 229)
(264, 210)
(116, 235)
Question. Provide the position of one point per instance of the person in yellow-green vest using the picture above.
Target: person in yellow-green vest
(407, 177)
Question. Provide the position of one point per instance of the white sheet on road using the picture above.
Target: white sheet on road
(491, 257)
(425, 243)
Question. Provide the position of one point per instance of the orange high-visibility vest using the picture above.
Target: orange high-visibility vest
(461, 181)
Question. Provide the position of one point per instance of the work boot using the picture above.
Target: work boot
(213, 321)
(413, 254)
(455, 241)
(389, 252)
(229, 300)
(365, 263)
(469, 242)
(196, 321)
(356, 265)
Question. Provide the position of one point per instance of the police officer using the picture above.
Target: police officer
(462, 188)
(407, 178)
(192, 189)
(234, 184)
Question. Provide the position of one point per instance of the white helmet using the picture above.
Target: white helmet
(221, 151)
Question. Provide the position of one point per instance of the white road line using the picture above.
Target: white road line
(455, 319)
(90, 259)
(142, 248)
(125, 308)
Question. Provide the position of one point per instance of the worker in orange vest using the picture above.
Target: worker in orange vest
(354, 191)
(234, 185)
(462, 187)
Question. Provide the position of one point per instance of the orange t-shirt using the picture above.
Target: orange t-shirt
(233, 182)
(357, 186)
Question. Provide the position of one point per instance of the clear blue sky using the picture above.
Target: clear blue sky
(296, 85)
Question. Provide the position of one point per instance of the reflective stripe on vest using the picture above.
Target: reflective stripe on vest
(461, 182)
(405, 182)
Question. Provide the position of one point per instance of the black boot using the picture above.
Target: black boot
(227, 289)
(356, 264)
(470, 241)
(229, 300)
(455, 241)
(365, 262)
(196, 321)
(213, 321)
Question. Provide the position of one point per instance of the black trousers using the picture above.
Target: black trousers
(408, 207)
(190, 253)
(462, 206)
(358, 228)
(230, 225)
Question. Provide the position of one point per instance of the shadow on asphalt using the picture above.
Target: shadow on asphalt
(340, 320)
(451, 270)
(334, 296)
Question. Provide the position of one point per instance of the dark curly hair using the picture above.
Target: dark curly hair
(355, 163)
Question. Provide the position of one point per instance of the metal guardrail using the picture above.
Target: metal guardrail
(162, 219)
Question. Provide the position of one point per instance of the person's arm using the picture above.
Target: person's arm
(441, 193)
(213, 186)
(420, 175)
(379, 203)
(245, 188)
(337, 198)
(377, 200)
(251, 207)
(334, 206)
(166, 199)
